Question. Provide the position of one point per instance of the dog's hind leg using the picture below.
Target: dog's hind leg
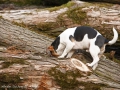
(94, 51)
(102, 50)
(68, 48)
(95, 66)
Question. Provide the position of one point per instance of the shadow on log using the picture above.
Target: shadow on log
(115, 47)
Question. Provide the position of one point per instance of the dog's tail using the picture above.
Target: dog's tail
(114, 38)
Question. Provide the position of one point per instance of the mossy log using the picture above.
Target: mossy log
(108, 71)
(13, 35)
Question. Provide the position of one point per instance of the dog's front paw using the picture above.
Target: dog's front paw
(88, 64)
(87, 50)
(60, 57)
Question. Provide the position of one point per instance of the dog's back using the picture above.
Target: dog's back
(82, 36)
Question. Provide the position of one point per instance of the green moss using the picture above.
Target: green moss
(7, 78)
(45, 26)
(69, 4)
(10, 82)
(22, 24)
(67, 79)
(10, 61)
(77, 15)
(60, 19)
(1, 17)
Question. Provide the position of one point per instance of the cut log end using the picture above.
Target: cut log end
(80, 65)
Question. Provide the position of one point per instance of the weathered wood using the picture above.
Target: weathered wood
(108, 71)
(21, 37)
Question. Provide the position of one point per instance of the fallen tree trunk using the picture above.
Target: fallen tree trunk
(108, 71)
(23, 38)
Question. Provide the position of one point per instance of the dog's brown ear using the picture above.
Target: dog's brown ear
(50, 48)
(53, 53)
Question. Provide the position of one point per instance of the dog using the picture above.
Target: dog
(82, 37)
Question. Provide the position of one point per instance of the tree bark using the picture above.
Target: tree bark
(23, 38)
(107, 71)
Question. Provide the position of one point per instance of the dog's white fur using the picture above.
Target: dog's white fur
(66, 47)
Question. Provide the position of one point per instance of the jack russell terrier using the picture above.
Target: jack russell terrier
(82, 37)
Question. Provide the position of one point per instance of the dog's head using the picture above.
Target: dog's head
(50, 48)
(52, 51)
(54, 46)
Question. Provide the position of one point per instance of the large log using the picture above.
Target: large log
(14, 35)
(108, 71)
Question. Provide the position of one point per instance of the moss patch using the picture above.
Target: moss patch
(77, 15)
(68, 80)
(45, 26)
(10, 82)
(10, 61)
(9, 78)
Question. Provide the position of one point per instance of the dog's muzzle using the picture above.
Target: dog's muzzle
(52, 51)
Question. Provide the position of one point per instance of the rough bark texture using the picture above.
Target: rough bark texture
(18, 36)
(108, 71)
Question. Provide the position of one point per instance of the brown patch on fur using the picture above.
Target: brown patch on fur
(50, 48)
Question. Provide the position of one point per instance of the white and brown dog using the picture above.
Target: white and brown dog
(82, 37)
